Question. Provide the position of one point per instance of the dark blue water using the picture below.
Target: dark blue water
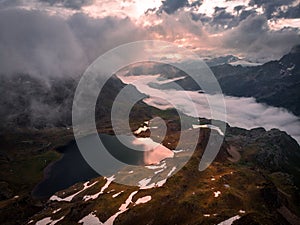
(71, 168)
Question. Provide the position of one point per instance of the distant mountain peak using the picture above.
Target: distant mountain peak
(221, 60)
(292, 57)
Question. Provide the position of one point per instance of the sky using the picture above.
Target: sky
(62, 37)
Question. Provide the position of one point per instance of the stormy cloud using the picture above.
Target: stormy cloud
(254, 37)
(36, 43)
(45, 42)
(42, 58)
(74, 4)
(272, 8)
(97, 36)
(171, 6)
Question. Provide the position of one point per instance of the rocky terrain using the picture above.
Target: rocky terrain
(276, 83)
(32, 102)
(253, 180)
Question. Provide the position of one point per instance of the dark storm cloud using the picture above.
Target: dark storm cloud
(238, 8)
(253, 37)
(171, 6)
(35, 48)
(217, 9)
(8, 3)
(196, 3)
(245, 13)
(149, 11)
(271, 8)
(292, 12)
(38, 44)
(41, 58)
(99, 35)
(200, 17)
(74, 4)
(221, 17)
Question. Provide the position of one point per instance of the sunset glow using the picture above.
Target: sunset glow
(142, 6)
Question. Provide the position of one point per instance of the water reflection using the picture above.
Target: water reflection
(71, 168)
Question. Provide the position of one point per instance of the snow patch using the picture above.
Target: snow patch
(159, 171)
(48, 221)
(143, 184)
(95, 196)
(154, 167)
(122, 209)
(178, 151)
(217, 193)
(172, 170)
(230, 220)
(57, 210)
(161, 183)
(141, 129)
(143, 200)
(117, 194)
(86, 185)
(90, 219)
(209, 126)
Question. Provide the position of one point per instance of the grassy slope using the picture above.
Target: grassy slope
(184, 199)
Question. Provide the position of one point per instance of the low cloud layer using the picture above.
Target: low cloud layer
(55, 38)
(240, 112)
